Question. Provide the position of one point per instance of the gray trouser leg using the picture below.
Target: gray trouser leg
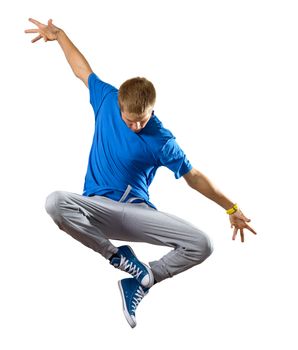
(95, 220)
(86, 219)
(191, 245)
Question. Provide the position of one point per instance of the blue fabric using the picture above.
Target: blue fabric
(120, 157)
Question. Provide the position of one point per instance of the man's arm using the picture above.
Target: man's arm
(202, 184)
(77, 61)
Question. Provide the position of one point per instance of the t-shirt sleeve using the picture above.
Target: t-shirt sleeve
(173, 157)
(98, 90)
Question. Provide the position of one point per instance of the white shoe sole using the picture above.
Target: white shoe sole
(151, 277)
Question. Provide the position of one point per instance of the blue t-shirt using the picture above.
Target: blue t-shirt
(120, 157)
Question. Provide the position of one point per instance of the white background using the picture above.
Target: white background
(226, 79)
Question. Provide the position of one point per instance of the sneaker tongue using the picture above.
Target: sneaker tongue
(115, 261)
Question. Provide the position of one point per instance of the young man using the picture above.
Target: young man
(129, 145)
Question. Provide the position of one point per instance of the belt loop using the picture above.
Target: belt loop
(125, 194)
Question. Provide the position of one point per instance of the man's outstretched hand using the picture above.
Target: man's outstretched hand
(239, 222)
(48, 32)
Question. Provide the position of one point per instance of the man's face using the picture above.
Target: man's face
(136, 122)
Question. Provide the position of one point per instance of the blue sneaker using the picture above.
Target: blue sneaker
(127, 261)
(132, 293)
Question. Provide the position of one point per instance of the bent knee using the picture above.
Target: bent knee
(52, 203)
(208, 247)
(202, 247)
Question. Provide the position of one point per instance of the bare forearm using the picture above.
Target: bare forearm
(77, 61)
(203, 185)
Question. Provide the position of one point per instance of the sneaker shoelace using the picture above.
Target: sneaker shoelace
(139, 295)
(128, 266)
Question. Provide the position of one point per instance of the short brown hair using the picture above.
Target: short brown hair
(136, 95)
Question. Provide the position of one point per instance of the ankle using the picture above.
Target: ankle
(115, 255)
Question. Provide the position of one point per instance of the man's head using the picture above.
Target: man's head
(136, 99)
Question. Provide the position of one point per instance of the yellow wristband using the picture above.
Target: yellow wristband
(232, 210)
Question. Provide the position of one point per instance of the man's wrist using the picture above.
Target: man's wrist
(59, 34)
(232, 209)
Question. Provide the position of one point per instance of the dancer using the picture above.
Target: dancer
(130, 143)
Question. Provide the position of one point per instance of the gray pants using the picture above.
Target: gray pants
(95, 220)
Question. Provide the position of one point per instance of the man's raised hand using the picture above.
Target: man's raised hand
(48, 32)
